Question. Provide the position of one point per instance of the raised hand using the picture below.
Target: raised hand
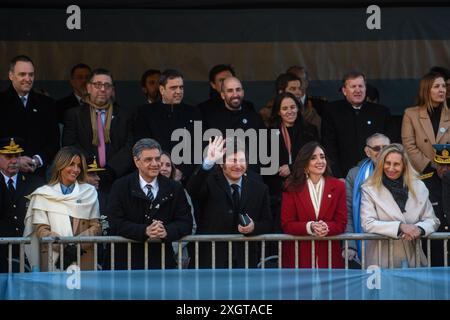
(215, 149)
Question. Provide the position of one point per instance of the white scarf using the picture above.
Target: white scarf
(48, 205)
(315, 193)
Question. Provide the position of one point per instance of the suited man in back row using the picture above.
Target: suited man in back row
(101, 128)
(347, 123)
(29, 116)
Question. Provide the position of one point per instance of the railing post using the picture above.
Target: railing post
(391, 254)
(280, 254)
(417, 247)
(346, 253)
(230, 255)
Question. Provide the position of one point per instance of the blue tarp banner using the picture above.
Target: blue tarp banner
(236, 284)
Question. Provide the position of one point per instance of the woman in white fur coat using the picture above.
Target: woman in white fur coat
(395, 203)
(66, 206)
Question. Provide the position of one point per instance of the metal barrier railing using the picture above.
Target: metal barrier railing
(213, 239)
(21, 241)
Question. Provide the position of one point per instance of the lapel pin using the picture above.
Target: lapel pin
(442, 129)
(369, 122)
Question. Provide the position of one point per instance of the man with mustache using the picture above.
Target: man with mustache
(30, 116)
(346, 124)
(14, 186)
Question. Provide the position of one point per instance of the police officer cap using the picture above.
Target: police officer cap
(10, 145)
(442, 153)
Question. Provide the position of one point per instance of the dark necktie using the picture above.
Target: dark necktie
(236, 198)
(150, 193)
(11, 188)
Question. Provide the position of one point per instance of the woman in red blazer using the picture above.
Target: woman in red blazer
(313, 203)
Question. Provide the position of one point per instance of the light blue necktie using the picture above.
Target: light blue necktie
(24, 101)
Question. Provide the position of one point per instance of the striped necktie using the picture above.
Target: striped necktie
(149, 192)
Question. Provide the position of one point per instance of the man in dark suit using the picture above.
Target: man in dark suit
(150, 85)
(225, 193)
(146, 206)
(101, 129)
(318, 103)
(14, 186)
(438, 184)
(30, 116)
(217, 74)
(346, 124)
(159, 120)
(234, 114)
(79, 77)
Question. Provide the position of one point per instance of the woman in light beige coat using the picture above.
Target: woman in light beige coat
(395, 203)
(66, 206)
(426, 124)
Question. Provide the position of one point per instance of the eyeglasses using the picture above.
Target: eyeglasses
(99, 85)
(376, 148)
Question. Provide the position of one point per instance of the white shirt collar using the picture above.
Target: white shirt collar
(239, 183)
(303, 99)
(80, 99)
(143, 184)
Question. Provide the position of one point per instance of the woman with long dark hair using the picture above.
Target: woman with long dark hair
(314, 204)
(293, 132)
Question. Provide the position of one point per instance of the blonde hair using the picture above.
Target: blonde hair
(409, 174)
(424, 94)
(63, 159)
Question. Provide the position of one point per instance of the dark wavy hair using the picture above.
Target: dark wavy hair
(297, 180)
(275, 119)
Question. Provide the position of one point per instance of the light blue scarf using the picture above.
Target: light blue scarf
(367, 165)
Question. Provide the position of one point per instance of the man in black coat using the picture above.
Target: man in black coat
(346, 124)
(79, 77)
(82, 129)
(217, 74)
(145, 206)
(14, 186)
(225, 193)
(29, 116)
(438, 184)
(159, 120)
(234, 114)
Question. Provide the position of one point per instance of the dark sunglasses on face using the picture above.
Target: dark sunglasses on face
(376, 148)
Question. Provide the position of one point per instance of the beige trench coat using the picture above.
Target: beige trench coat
(380, 214)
